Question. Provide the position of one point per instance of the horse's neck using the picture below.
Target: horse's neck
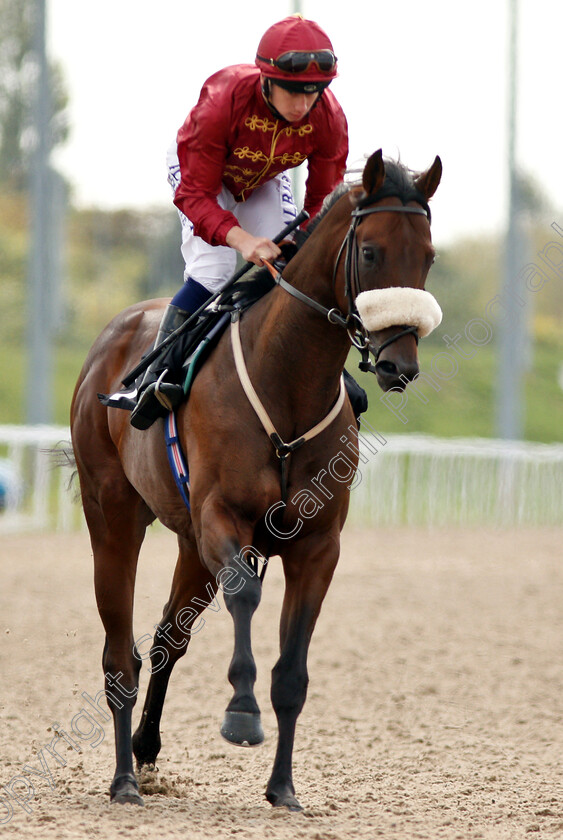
(303, 335)
(295, 346)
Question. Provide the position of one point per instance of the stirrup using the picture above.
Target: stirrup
(153, 403)
(169, 396)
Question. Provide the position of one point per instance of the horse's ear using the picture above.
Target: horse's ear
(427, 182)
(374, 173)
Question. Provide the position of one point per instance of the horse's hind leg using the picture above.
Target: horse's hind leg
(117, 528)
(193, 588)
(308, 572)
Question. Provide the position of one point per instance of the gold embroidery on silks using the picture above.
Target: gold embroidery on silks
(245, 152)
(238, 179)
(301, 131)
(250, 179)
(294, 159)
(255, 123)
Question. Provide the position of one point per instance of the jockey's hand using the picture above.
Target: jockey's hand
(252, 248)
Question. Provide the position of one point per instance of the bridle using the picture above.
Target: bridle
(352, 322)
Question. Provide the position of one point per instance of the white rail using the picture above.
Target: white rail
(402, 480)
(39, 497)
(418, 480)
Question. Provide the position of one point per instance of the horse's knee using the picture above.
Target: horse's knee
(121, 678)
(244, 591)
(167, 648)
(121, 689)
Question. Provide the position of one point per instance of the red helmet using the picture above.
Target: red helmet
(298, 52)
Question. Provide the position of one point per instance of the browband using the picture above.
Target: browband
(366, 203)
(364, 211)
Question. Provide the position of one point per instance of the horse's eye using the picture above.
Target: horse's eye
(369, 254)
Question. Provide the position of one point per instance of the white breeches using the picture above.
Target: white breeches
(268, 210)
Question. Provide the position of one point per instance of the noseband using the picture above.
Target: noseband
(352, 322)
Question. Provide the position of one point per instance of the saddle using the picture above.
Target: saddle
(185, 356)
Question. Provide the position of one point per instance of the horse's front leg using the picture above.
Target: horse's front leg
(308, 566)
(241, 724)
(242, 590)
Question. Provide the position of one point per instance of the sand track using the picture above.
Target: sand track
(435, 706)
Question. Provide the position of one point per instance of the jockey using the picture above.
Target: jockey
(228, 171)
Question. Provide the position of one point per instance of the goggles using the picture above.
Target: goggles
(297, 61)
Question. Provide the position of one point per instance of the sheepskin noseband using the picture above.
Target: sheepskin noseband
(381, 308)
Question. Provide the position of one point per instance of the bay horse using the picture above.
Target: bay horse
(373, 238)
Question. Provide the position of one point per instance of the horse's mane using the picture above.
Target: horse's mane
(399, 182)
(399, 178)
(328, 204)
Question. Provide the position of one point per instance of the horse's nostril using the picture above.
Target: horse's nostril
(410, 373)
(385, 368)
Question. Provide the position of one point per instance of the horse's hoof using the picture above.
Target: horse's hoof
(125, 791)
(145, 751)
(284, 800)
(242, 728)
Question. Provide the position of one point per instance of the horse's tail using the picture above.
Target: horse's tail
(62, 455)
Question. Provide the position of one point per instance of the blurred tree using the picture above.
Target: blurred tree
(114, 259)
(532, 200)
(18, 80)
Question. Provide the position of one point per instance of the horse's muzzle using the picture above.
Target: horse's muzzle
(393, 375)
(396, 358)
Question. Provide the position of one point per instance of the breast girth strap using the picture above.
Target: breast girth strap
(283, 450)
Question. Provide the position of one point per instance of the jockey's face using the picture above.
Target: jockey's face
(292, 106)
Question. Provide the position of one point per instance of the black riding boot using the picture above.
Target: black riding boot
(155, 396)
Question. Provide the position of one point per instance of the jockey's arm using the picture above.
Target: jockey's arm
(252, 248)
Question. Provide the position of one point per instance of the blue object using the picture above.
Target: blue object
(191, 296)
(10, 484)
(176, 458)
